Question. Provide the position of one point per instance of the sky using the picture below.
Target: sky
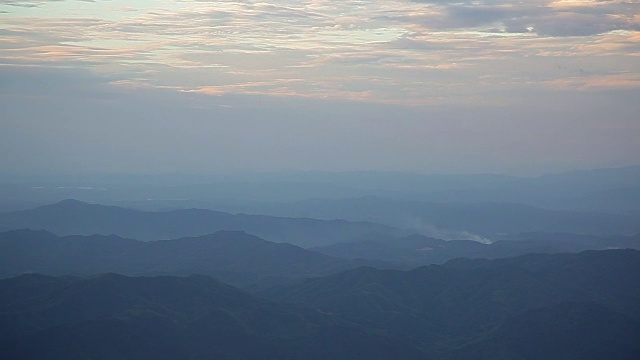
(431, 86)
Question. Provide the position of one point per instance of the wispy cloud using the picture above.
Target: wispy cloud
(389, 51)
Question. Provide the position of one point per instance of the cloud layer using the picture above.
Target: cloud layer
(424, 61)
(398, 51)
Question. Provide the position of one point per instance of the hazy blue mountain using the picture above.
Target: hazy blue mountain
(71, 217)
(617, 187)
(463, 301)
(623, 200)
(593, 241)
(461, 220)
(419, 250)
(10, 206)
(116, 317)
(232, 256)
(600, 190)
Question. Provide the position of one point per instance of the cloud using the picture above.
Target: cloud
(32, 3)
(392, 51)
(27, 3)
(580, 24)
(597, 82)
(545, 18)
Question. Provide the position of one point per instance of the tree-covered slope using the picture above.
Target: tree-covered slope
(454, 304)
(232, 256)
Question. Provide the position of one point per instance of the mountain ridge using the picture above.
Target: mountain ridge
(430, 303)
(113, 316)
(73, 217)
(531, 307)
(233, 256)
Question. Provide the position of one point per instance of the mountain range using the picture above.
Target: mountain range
(415, 250)
(116, 317)
(530, 307)
(470, 306)
(613, 190)
(245, 260)
(321, 265)
(232, 256)
(72, 217)
(453, 220)
(367, 218)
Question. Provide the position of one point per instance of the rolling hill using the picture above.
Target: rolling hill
(72, 217)
(459, 220)
(116, 317)
(232, 256)
(416, 250)
(465, 301)
(532, 307)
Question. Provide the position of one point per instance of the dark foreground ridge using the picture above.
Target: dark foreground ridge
(473, 309)
(117, 317)
(562, 306)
